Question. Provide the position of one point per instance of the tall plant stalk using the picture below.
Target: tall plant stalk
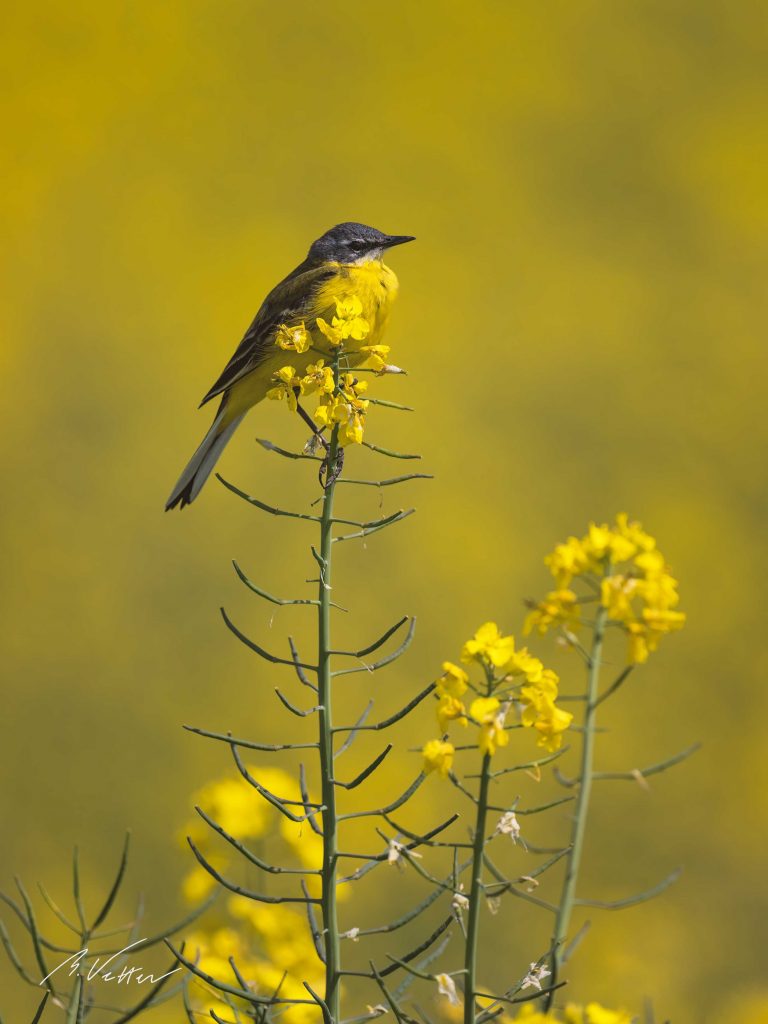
(325, 718)
(476, 892)
(581, 811)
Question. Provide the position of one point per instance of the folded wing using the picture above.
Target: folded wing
(290, 300)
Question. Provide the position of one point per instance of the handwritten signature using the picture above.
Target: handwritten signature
(99, 970)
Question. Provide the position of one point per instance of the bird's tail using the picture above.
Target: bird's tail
(199, 467)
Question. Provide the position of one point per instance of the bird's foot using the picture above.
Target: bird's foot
(329, 474)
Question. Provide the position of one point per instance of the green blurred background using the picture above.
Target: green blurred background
(582, 318)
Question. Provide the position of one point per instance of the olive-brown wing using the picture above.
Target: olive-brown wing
(290, 300)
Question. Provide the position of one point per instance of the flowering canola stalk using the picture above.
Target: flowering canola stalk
(324, 683)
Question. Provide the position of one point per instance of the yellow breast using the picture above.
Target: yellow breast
(374, 284)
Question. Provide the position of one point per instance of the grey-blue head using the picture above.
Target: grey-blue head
(353, 243)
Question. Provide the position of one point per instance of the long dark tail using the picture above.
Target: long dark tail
(199, 467)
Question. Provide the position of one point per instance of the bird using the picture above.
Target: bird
(344, 263)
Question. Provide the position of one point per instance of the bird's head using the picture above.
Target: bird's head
(353, 243)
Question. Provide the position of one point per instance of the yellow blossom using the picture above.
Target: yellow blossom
(286, 384)
(489, 715)
(636, 587)
(346, 408)
(542, 713)
(531, 1015)
(659, 590)
(334, 409)
(644, 636)
(597, 543)
(559, 606)
(489, 646)
(294, 339)
(235, 805)
(376, 356)
(594, 1013)
(306, 845)
(281, 931)
(353, 430)
(450, 709)
(545, 688)
(605, 543)
(482, 709)
(333, 334)
(550, 725)
(567, 560)
(267, 940)
(661, 620)
(616, 593)
(453, 682)
(492, 736)
(601, 544)
(241, 812)
(329, 411)
(318, 377)
(650, 563)
(438, 756)
(523, 663)
(634, 532)
(347, 323)
(638, 643)
(198, 883)
(351, 388)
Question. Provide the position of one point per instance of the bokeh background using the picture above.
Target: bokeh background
(582, 319)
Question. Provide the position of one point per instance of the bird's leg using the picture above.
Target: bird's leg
(332, 473)
(327, 473)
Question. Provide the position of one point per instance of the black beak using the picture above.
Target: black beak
(398, 240)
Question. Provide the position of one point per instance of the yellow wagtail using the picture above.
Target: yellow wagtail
(345, 262)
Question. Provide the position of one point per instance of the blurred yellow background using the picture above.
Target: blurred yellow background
(582, 318)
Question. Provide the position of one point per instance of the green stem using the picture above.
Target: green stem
(324, 683)
(476, 893)
(573, 860)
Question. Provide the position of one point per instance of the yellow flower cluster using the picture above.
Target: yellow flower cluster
(288, 385)
(293, 339)
(538, 686)
(377, 357)
(340, 403)
(265, 939)
(592, 1013)
(636, 587)
(438, 757)
(490, 714)
(513, 678)
(347, 323)
(268, 941)
(346, 408)
(559, 607)
(237, 807)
